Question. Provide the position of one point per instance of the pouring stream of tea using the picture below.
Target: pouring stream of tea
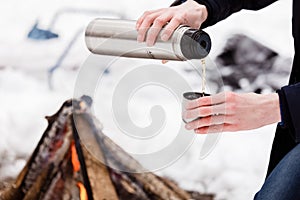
(203, 65)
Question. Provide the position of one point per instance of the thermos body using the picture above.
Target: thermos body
(119, 38)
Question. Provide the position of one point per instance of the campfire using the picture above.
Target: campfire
(61, 168)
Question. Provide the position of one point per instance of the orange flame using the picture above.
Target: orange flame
(75, 160)
(82, 191)
(76, 168)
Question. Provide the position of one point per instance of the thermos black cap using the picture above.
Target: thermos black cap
(195, 44)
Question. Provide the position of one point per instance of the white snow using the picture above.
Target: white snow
(234, 170)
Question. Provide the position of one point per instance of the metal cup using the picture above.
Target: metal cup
(188, 96)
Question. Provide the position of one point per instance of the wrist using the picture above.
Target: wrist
(282, 109)
(272, 102)
(201, 9)
(204, 12)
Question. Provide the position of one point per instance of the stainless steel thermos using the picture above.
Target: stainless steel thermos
(119, 38)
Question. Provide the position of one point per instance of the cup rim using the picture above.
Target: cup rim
(196, 95)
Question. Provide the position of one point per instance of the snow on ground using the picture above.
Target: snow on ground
(236, 167)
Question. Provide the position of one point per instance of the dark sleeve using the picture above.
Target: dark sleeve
(221, 9)
(289, 97)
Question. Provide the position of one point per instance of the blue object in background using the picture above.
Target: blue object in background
(41, 34)
(37, 33)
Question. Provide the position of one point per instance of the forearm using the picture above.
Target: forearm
(221, 9)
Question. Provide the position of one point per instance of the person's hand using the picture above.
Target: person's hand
(189, 13)
(231, 112)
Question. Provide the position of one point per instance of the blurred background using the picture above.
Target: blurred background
(42, 48)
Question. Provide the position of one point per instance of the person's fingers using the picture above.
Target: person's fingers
(202, 101)
(169, 29)
(215, 129)
(208, 100)
(142, 18)
(164, 61)
(209, 121)
(146, 23)
(219, 109)
(153, 32)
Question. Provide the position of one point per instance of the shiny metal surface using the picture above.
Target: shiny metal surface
(119, 38)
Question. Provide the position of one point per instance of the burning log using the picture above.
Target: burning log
(61, 168)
